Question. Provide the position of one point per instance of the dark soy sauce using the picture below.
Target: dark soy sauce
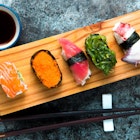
(7, 27)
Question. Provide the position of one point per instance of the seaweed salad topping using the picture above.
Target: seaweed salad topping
(99, 52)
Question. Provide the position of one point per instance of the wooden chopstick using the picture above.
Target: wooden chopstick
(66, 114)
(75, 122)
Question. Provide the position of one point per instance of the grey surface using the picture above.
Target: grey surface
(45, 18)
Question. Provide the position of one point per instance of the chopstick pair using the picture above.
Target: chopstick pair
(117, 113)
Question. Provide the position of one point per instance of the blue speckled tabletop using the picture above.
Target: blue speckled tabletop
(44, 18)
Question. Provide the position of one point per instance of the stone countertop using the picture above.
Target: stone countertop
(44, 18)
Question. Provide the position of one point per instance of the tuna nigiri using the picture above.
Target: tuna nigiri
(76, 60)
(129, 40)
(11, 80)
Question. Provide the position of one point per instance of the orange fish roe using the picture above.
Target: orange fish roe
(11, 80)
(46, 68)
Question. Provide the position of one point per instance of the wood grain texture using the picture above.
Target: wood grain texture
(37, 93)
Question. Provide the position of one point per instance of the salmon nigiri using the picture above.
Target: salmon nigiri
(76, 60)
(11, 80)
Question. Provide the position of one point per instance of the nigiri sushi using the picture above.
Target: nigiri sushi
(129, 40)
(76, 60)
(11, 80)
(99, 52)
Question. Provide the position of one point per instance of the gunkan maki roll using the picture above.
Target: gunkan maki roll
(46, 68)
(101, 55)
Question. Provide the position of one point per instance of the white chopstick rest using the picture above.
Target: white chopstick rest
(108, 124)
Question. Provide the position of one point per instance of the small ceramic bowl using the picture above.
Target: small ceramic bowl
(5, 44)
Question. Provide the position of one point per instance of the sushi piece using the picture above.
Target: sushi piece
(11, 80)
(76, 60)
(99, 52)
(129, 40)
(46, 68)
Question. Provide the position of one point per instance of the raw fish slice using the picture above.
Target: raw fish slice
(133, 55)
(68, 48)
(11, 80)
(122, 31)
(125, 35)
(81, 72)
(76, 60)
(129, 40)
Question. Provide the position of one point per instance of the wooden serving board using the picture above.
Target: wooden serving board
(37, 93)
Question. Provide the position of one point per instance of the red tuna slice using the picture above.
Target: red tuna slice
(81, 72)
(79, 66)
(69, 49)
